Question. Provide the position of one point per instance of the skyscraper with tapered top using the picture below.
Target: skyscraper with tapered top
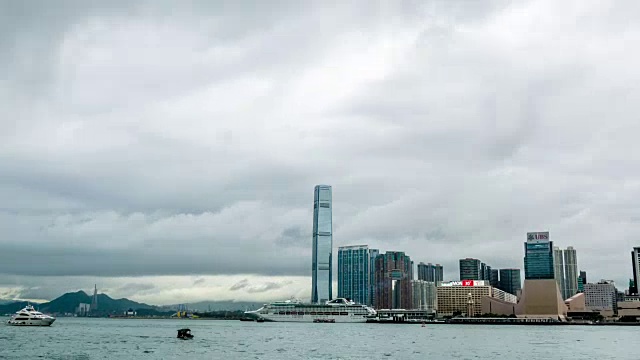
(321, 274)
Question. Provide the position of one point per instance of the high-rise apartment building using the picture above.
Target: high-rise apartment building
(438, 273)
(321, 277)
(424, 295)
(354, 273)
(570, 272)
(471, 269)
(538, 259)
(635, 261)
(429, 272)
(510, 281)
(558, 269)
(565, 269)
(393, 289)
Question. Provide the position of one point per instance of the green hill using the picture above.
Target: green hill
(68, 303)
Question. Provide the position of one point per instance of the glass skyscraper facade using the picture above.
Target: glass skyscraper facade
(471, 269)
(354, 273)
(494, 280)
(510, 281)
(321, 277)
(538, 259)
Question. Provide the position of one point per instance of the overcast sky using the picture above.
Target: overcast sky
(168, 151)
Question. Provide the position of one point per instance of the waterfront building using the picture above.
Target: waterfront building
(354, 273)
(538, 259)
(424, 295)
(393, 275)
(470, 269)
(494, 280)
(430, 272)
(635, 262)
(466, 297)
(576, 303)
(510, 281)
(601, 297)
(321, 277)
(541, 296)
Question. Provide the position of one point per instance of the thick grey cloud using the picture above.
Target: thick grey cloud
(145, 139)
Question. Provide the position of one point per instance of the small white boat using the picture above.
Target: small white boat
(30, 317)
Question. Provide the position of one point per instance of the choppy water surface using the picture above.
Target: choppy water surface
(78, 338)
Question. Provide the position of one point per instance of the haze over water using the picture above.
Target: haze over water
(82, 338)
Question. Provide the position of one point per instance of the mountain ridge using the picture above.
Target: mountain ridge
(68, 303)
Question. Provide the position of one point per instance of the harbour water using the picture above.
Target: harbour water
(87, 338)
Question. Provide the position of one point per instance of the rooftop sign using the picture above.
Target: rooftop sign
(466, 283)
(538, 236)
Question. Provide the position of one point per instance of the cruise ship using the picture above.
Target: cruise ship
(340, 310)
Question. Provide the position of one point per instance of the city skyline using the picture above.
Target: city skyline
(167, 151)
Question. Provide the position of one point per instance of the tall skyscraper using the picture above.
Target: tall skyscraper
(429, 272)
(393, 281)
(538, 259)
(570, 272)
(373, 253)
(354, 273)
(558, 269)
(510, 281)
(321, 277)
(635, 261)
(470, 269)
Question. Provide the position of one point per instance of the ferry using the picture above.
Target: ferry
(340, 310)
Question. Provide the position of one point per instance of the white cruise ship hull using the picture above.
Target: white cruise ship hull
(311, 318)
(31, 322)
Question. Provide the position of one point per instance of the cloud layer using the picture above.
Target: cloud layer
(144, 140)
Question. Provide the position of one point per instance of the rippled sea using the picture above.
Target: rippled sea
(82, 338)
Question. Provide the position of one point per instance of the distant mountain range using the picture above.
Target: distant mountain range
(68, 303)
(218, 306)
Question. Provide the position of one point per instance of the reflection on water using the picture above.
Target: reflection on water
(82, 338)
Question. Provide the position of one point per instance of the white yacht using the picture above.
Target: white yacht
(30, 317)
(340, 310)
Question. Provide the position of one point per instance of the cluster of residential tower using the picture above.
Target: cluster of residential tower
(553, 286)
